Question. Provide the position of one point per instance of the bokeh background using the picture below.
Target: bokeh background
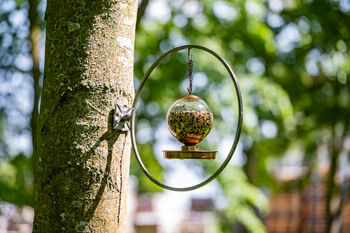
(290, 172)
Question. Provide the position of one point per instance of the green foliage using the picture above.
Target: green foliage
(241, 197)
(144, 184)
(16, 180)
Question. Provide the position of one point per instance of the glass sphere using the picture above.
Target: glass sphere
(189, 120)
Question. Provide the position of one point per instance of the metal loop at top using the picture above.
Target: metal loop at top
(238, 130)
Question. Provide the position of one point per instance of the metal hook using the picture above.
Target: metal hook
(122, 115)
(189, 55)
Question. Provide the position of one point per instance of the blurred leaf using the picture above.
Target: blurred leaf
(16, 180)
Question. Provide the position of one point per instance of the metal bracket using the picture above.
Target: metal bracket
(122, 116)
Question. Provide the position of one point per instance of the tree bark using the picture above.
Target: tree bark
(82, 164)
(34, 37)
(335, 148)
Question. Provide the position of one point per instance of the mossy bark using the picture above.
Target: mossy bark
(82, 164)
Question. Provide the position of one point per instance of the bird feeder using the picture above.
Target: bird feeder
(189, 120)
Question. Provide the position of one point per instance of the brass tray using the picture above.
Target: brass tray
(180, 154)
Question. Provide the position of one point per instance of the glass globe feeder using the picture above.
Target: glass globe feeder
(189, 120)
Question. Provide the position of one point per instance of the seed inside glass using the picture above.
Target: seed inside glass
(190, 120)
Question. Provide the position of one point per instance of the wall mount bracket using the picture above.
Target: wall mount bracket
(121, 117)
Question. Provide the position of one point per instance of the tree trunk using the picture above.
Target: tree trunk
(82, 164)
(335, 147)
(34, 37)
(250, 166)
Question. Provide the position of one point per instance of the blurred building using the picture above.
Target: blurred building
(15, 220)
(285, 215)
(299, 209)
(198, 218)
(299, 212)
(146, 218)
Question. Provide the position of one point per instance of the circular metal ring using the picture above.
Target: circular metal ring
(238, 130)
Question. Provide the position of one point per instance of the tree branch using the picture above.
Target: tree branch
(141, 11)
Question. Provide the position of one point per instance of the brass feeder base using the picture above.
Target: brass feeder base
(189, 152)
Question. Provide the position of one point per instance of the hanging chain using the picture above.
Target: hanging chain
(190, 69)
